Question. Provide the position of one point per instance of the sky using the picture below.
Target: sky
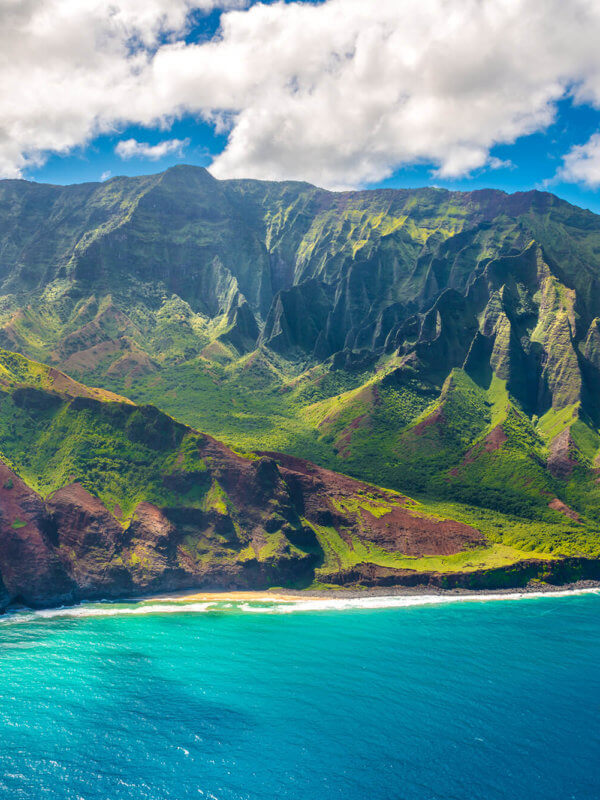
(463, 94)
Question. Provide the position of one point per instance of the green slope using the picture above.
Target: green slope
(102, 497)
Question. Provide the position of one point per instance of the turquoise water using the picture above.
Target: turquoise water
(477, 700)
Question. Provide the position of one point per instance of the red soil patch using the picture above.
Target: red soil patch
(64, 385)
(90, 357)
(495, 439)
(415, 535)
(558, 505)
(342, 445)
(132, 364)
(92, 333)
(400, 530)
(436, 417)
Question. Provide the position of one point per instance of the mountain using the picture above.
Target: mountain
(100, 497)
(442, 344)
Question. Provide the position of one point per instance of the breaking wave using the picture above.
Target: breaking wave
(263, 605)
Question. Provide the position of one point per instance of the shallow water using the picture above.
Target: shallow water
(462, 700)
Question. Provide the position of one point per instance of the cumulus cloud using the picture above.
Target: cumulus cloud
(131, 148)
(69, 69)
(582, 164)
(340, 93)
(500, 163)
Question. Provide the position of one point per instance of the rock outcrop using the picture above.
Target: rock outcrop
(158, 506)
(257, 531)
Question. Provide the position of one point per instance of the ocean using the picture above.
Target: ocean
(364, 700)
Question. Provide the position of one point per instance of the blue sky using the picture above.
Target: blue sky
(293, 92)
(534, 159)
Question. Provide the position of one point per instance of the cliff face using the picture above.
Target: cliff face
(125, 278)
(103, 498)
(69, 547)
(121, 278)
(442, 344)
(257, 530)
(142, 271)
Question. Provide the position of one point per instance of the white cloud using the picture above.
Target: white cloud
(340, 93)
(360, 88)
(70, 70)
(131, 148)
(500, 163)
(105, 175)
(582, 164)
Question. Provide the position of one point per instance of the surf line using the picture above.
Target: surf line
(263, 605)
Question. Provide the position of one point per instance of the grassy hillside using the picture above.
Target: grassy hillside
(102, 497)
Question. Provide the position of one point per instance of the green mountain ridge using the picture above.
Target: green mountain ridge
(100, 497)
(442, 344)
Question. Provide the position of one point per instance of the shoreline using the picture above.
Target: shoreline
(283, 595)
(286, 600)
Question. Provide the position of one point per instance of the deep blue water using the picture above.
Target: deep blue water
(466, 701)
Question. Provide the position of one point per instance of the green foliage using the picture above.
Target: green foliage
(388, 448)
(216, 499)
(344, 552)
(103, 446)
(155, 287)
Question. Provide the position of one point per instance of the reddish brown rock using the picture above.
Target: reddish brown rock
(256, 532)
(30, 570)
(70, 547)
(558, 505)
(315, 491)
(89, 541)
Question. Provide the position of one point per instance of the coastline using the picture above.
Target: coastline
(282, 601)
(283, 595)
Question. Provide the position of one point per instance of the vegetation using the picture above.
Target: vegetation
(440, 344)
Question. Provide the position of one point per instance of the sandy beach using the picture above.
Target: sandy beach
(281, 595)
(193, 596)
(282, 601)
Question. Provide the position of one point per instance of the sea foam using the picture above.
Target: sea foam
(177, 605)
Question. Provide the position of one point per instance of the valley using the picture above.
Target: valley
(440, 349)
